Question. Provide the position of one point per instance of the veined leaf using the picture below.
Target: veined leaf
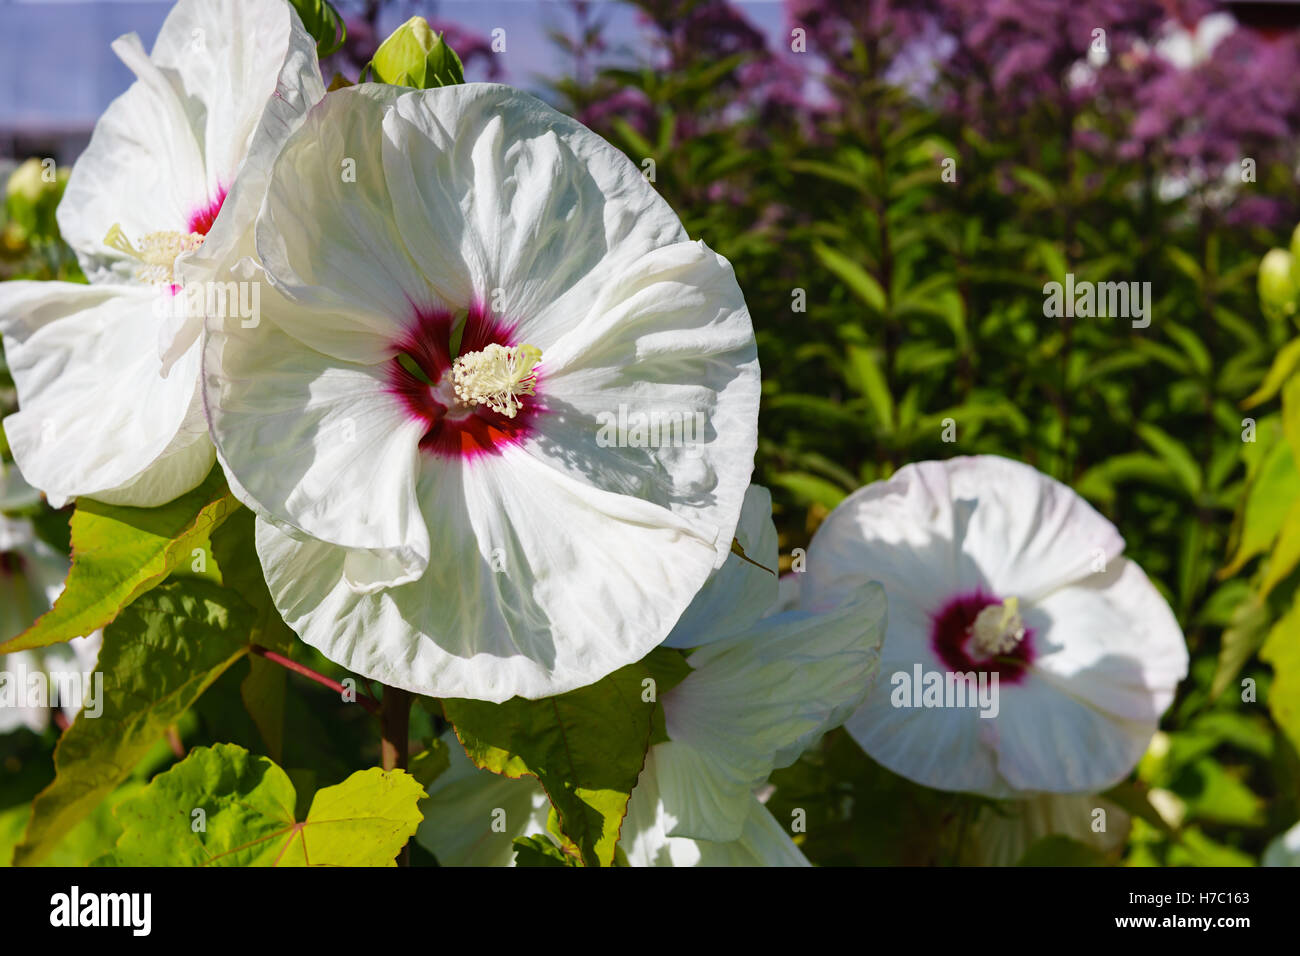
(120, 553)
(222, 806)
(586, 748)
(158, 657)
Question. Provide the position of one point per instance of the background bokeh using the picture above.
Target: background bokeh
(894, 182)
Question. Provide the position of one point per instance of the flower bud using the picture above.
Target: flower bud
(415, 56)
(1277, 291)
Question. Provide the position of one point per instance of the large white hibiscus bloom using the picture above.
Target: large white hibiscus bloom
(438, 419)
(31, 577)
(1002, 833)
(107, 373)
(761, 690)
(992, 568)
(1284, 849)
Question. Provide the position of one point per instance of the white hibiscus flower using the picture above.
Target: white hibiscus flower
(31, 577)
(992, 568)
(1002, 834)
(1284, 850)
(478, 293)
(760, 692)
(107, 373)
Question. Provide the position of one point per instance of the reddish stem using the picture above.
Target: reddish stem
(370, 705)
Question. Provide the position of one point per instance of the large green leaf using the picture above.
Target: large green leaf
(85, 842)
(1270, 496)
(158, 657)
(1281, 650)
(120, 553)
(222, 806)
(586, 747)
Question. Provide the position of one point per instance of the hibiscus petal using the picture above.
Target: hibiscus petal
(315, 444)
(737, 594)
(754, 702)
(503, 198)
(96, 417)
(668, 343)
(326, 235)
(1114, 642)
(529, 595)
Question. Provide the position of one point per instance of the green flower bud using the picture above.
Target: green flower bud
(415, 56)
(27, 182)
(1276, 290)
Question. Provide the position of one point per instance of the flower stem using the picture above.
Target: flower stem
(395, 739)
(305, 671)
(395, 721)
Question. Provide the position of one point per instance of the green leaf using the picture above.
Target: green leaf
(810, 489)
(88, 840)
(1175, 454)
(324, 24)
(430, 764)
(1284, 365)
(120, 553)
(866, 378)
(539, 851)
(1241, 639)
(1059, 850)
(585, 747)
(158, 657)
(1285, 555)
(864, 285)
(222, 806)
(1281, 651)
(1269, 498)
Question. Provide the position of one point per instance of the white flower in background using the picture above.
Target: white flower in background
(15, 493)
(107, 373)
(760, 692)
(1190, 46)
(1002, 834)
(1284, 850)
(473, 285)
(993, 569)
(31, 577)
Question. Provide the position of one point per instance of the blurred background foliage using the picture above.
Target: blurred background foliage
(894, 187)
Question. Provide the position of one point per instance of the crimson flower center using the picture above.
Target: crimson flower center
(976, 631)
(476, 402)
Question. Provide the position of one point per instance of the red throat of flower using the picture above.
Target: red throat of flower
(202, 218)
(964, 629)
(445, 392)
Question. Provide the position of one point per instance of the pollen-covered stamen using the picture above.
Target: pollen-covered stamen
(998, 629)
(497, 377)
(157, 252)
